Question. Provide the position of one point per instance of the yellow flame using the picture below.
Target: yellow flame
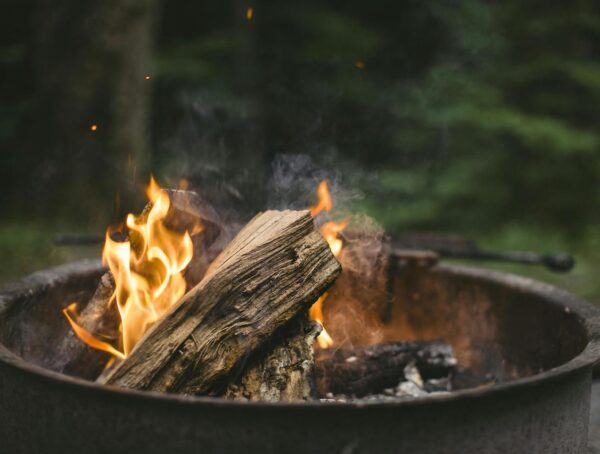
(148, 272)
(330, 231)
(249, 13)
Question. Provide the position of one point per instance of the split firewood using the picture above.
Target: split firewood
(271, 272)
(284, 372)
(369, 370)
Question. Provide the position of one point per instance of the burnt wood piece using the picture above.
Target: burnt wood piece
(369, 370)
(285, 372)
(272, 271)
(100, 318)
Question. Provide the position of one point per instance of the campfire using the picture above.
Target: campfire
(250, 322)
(194, 329)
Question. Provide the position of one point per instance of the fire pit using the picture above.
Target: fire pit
(539, 342)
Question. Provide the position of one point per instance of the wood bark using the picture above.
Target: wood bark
(362, 371)
(272, 271)
(285, 372)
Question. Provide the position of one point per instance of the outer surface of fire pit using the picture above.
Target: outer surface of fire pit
(540, 342)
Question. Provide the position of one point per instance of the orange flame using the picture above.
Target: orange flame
(324, 199)
(330, 231)
(88, 337)
(148, 272)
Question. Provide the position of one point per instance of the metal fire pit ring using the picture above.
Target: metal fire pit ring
(44, 411)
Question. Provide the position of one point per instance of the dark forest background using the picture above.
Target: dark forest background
(472, 117)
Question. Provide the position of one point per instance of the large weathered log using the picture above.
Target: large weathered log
(271, 272)
(284, 372)
(369, 370)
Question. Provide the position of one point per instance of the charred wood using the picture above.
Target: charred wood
(369, 370)
(99, 317)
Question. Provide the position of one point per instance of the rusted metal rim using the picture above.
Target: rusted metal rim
(588, 315)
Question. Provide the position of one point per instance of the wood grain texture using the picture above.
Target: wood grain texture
(285, 372)
(274, 269)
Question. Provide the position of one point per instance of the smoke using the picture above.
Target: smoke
(203, 158)
(295, 177)
(353, 308)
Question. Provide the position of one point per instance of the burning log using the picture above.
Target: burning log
(99, 316)
(284, 373)
(187, 212)
(275, 268)
(369, 370)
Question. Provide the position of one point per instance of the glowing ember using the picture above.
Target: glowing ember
(147, 77)
(184, 184)
(93, 128)
(148, 272)
(359, 64)
(249, 13)
(330, 231)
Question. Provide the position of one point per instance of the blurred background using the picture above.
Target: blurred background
(469, 117)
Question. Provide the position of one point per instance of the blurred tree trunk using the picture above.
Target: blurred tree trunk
(90, 60)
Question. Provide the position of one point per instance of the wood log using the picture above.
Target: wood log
(285, 372)
(272, 271)
(99, 317)
(369, 370)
